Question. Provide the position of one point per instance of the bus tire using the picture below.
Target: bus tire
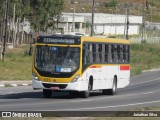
(85, 94)
(113, 90)
(47, 93)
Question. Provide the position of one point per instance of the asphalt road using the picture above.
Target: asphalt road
(143, 91)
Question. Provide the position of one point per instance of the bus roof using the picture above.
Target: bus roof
(82, 39)
(108, 40)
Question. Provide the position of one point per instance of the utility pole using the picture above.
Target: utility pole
(5, 32)
(92, 25)
(127, 15)
(143, 25)
(73, 21)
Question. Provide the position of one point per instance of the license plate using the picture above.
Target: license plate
(55, 88)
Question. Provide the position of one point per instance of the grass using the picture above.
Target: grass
(18, 63)
(143, 57)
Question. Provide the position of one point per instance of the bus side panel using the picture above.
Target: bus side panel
(123, 76)
(103, 76)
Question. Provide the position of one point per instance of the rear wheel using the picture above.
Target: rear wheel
(111, 91)
(47, 93)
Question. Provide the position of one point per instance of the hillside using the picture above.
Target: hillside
(149, 8)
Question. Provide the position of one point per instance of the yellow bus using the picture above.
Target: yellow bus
(80, 64)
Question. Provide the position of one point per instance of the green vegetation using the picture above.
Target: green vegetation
(40, 13)
(17, 65)
(18, 62)
(143, 57)
(112, 3)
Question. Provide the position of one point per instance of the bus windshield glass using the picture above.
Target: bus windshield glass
(57, 59)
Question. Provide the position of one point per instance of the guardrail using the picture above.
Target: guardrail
(149, 40)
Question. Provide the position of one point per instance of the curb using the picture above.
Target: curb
(152, 70)
(14, 83)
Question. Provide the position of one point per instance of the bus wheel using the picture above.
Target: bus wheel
(111, 91)
(47, 93)
(85, 94)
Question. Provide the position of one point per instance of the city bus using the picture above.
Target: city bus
(80, 64)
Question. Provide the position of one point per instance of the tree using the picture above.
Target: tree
(112, 3)
(2, 12)
(44, 13)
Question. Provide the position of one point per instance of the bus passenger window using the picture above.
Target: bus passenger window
(85, 59)
(94, 52)
(83, 55)
(115, 54)
(124, 53)
(106, 53)
(127, 54)
(97, 54)
(86, 54)
(109, 53)
(121, 54)
(112, 53)
(118, 53)
(90, 53)
(103, 53)
(100, 52)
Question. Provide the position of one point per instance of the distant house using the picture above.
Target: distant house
(23, 25)
(106, 24)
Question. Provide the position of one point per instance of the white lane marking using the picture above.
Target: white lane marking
(14, 85)
(25, 84)
(2, 85)
(145, 82)
(140, 93)
(107, 106)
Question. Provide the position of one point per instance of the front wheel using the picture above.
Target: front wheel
(47, 93)
(85, 94)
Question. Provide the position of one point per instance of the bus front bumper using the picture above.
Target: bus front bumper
(72, 86)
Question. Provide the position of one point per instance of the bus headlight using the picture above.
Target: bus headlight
(75, 78)
(34, 76)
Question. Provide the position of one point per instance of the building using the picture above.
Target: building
(106, 24)
(152, 25)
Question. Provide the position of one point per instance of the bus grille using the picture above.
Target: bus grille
(61, 86)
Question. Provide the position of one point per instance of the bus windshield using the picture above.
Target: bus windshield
(57, 59)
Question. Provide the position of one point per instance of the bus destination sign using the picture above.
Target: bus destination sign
(51, 40)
